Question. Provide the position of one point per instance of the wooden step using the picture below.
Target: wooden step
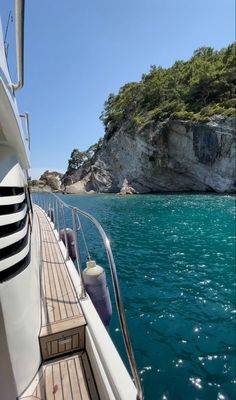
(63, 323)
(66, 341)
(66, 378)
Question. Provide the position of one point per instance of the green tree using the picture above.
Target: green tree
(77, 158)
(198, 88)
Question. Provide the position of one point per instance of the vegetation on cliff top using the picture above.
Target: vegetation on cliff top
(195, 89)
(77, 157)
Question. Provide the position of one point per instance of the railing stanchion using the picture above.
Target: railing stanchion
(65, 235)
(78, 259)
(54, 213)
(57, 219)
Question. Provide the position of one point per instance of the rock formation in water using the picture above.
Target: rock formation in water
(169, 156)
(48, 182)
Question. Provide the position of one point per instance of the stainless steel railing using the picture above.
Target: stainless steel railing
(19, 17)
(26, 117)
(52, 201)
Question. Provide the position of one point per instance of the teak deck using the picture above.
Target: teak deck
(61, 303)
(63, 330)
(67, 378)
(62, 319)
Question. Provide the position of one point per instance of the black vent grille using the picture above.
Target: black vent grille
(11, 208)
(11, 191)
(9, 229)
(14, 232)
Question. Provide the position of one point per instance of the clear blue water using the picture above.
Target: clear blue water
(175, 257)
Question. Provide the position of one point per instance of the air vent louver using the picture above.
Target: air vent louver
(14, 232)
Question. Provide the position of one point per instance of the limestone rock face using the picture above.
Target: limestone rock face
(175, 155)
(126, 189)
(52, 179)
(48, 182)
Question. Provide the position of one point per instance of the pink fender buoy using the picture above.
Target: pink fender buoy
(96, 286)
(50, 213)
(70, 241)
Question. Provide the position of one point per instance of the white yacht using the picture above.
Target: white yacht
(53, 343)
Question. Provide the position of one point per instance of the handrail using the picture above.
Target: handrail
(27, 128)
(116, 287)
(19, 16)
(26, 116)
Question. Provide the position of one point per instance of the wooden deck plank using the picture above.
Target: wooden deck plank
(64, 379)
(70, 298)
(64, 297)
(61, 303)
(74, 379)
(48, 378)
(47, 295)
(60, 287)
(89, 377)
(81, 379)
(58, 393)
(54, 298)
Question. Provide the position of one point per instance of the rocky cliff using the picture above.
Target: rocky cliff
(174, 155)
(48, 182)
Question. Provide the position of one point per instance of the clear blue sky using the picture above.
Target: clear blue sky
(79, 51)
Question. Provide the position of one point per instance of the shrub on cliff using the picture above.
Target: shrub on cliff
(78, 158)
(33, 182)
(194, 89)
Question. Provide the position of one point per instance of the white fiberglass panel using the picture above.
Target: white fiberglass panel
(11, 125)
(11, 173)
(8, 200)
(20, 321)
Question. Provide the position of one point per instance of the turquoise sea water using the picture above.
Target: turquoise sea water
(175, 256)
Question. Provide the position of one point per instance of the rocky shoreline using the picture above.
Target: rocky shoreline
(174, 156)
